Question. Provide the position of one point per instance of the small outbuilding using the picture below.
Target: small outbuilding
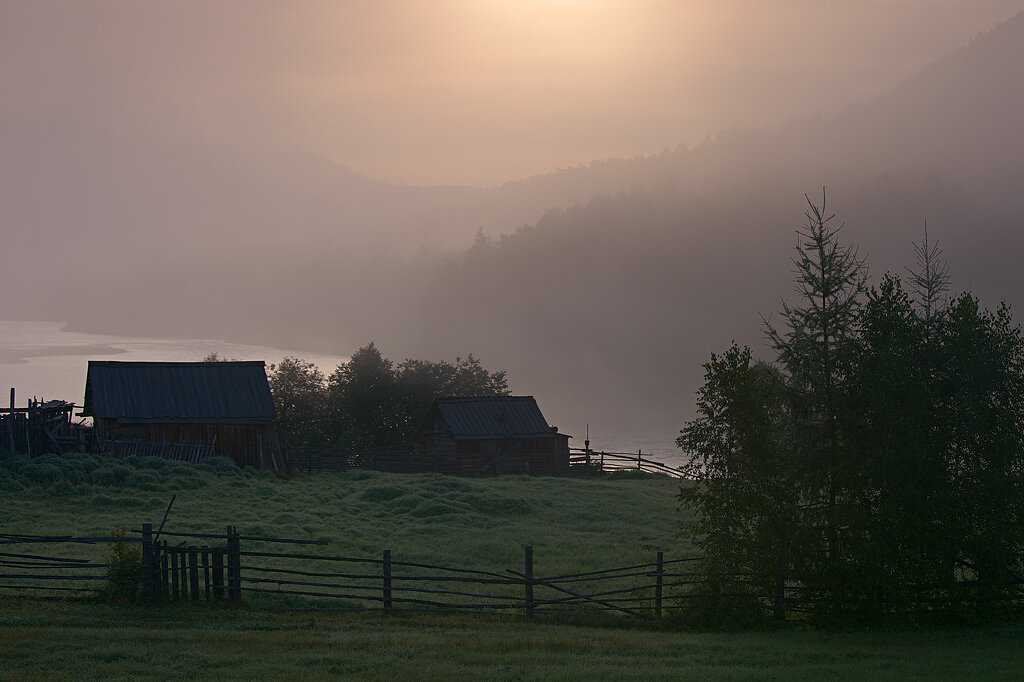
(491, 435)
(227, 404)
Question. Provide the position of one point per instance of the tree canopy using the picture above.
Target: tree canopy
(369, 401)
(878, 463)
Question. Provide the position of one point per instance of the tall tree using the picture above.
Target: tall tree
(299, 389)
(982, 399)
(744, 495)
(899, 522)
(929, 280)
(815, 349)
(365, 401)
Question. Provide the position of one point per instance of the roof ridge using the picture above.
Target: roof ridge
(488, 397)
(173, 363)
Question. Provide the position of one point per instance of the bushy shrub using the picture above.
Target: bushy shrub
(124, 569)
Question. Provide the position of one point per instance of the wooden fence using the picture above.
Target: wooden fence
(229, 566)
(192, 452)
(320, 459)
(201, 566)
(56, 564)
(401, 460)
(593, 460)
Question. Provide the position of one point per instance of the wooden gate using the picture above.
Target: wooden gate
(191, 572)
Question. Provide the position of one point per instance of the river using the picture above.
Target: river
(46, 361)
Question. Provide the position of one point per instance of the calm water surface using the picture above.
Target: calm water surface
(42, 360)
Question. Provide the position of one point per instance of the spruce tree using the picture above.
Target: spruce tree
(929, 281)
(815, 347)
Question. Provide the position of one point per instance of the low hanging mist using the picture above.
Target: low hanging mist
(599, 288)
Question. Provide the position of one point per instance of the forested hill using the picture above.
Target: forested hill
(628, 294)
(614, 298)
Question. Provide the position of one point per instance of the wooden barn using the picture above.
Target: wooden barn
(491, 435)
(226, 404)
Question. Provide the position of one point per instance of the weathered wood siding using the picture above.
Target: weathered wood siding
(243, 443)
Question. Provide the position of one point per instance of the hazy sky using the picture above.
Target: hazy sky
(462, 91)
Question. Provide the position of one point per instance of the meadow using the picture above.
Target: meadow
(574, 523)
(60, 641)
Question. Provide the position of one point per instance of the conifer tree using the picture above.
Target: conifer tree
(815, 348)
(929, 281)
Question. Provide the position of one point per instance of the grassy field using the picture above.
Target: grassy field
(58, 641)
(573, 523)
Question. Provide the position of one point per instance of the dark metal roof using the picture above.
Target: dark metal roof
(179, 392)
(493, 417)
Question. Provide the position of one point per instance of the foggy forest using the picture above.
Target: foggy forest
(511, 339)
(622, 273)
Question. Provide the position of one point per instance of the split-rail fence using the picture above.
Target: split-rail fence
(232, 567)
(177, 566)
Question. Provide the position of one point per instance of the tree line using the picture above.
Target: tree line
(369, 401)
(877, 462)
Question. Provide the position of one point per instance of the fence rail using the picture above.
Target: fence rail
(601, 461)
(317, 460)
(186, 566)
(217, 566)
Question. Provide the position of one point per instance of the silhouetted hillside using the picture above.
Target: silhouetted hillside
(627, 295)
(615, 297)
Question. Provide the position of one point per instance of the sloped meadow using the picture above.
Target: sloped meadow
(573, 523)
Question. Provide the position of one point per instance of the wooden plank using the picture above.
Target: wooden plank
(234, 566)
(218, 573)
(175, 592)
(659, 585)
(193, 574)
(206, 572)
(584, 597)
(386, 565)
(528, 580)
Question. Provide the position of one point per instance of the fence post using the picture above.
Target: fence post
(147, 561)
(10, 424)
(528, 583)
(638, 455)
(218, 573)
(193, 574)
(206, 571)
(183, 570)
(165, 584)
(659, 584)
(387, 579)
(175, 591)
(234, 566)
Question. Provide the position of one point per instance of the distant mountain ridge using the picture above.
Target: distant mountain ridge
(626, 295)
(602, 267)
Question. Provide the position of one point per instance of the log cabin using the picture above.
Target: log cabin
(226, 403)
(491, 435)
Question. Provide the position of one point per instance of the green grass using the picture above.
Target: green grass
(83, 641)
(573, 523)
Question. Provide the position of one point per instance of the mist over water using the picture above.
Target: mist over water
(159, 180)
(46, 361)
